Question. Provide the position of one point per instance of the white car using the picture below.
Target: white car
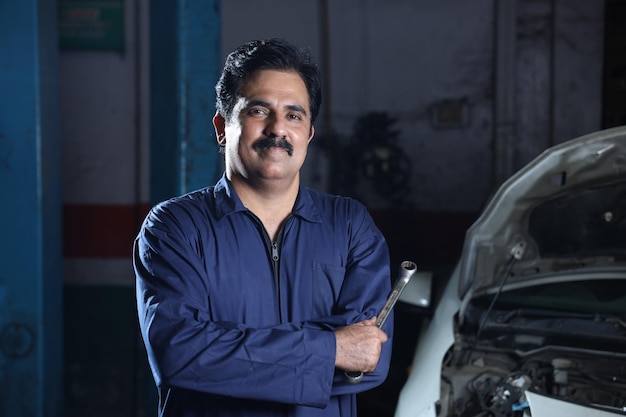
(532, 321)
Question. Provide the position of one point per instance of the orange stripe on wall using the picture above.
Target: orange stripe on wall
(101, 231)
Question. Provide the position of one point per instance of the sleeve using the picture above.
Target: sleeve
(365, 290)
(291, 363)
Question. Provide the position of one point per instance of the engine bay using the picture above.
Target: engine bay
(480, 379)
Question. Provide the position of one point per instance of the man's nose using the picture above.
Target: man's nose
(276, 127)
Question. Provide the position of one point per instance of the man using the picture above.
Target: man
(257, 295)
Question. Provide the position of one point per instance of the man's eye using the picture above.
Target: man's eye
(254, 111)
(295, 117)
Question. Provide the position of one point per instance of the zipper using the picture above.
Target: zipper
(274, 248)
(275, 255)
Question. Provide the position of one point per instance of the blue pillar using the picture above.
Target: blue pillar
(185, 61)
(31, 331)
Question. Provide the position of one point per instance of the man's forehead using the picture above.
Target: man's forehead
(273, 81)
(283, 89)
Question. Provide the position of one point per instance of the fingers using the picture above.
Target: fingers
(370, 322)
(359, 346)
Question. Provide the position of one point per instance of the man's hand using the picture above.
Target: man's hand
(359, 346)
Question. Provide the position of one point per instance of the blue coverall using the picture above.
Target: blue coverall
(237, 325)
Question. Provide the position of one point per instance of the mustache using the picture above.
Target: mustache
(274, 142)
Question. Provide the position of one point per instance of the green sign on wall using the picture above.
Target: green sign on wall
(91, 25)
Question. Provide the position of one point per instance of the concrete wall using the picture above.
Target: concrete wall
(104, 119)
(403, 57)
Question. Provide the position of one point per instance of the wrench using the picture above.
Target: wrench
(407, 269)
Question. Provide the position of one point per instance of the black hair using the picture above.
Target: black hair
(269, 54)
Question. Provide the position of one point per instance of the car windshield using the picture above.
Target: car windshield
(589, 222)
(587, 297)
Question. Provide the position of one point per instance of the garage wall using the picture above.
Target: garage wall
(426, 64)
(104, 114)
(403, 57)
(408, 57)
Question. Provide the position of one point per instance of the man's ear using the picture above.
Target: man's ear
(220, 128)
(311, 134)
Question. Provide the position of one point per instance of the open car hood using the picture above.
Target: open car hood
(564, 211)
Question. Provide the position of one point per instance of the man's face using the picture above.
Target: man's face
(270, 128)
